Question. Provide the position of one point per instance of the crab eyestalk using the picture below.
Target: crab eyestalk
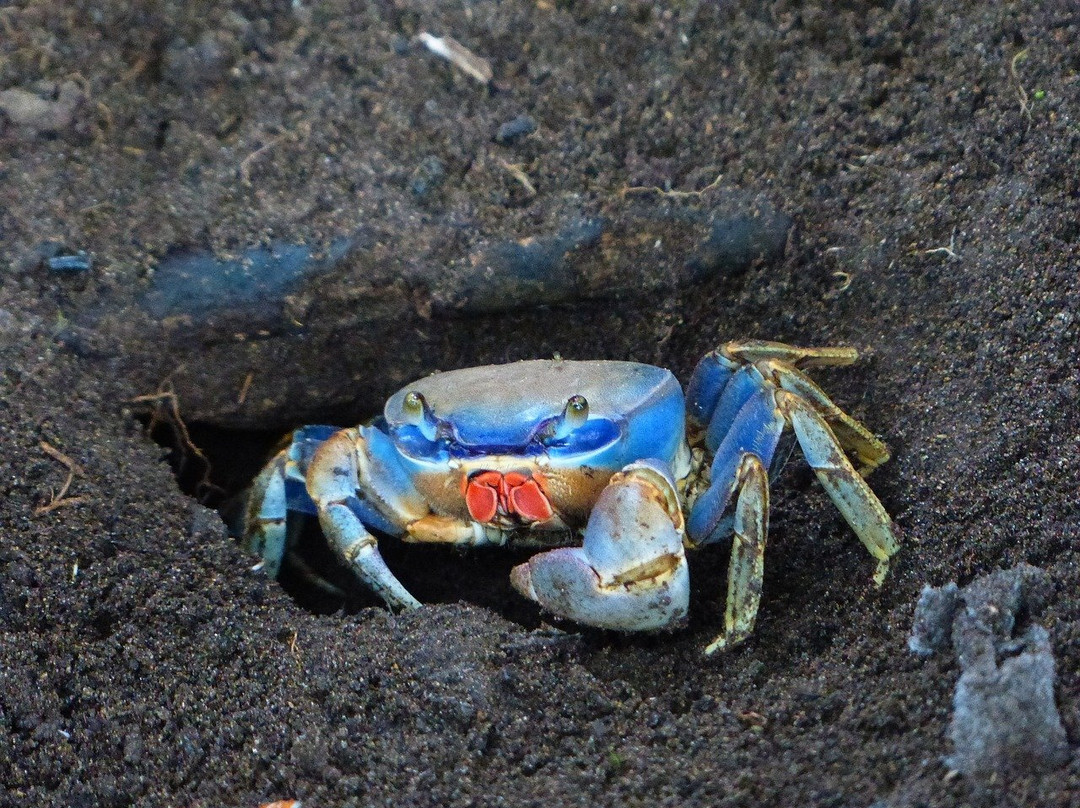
(419, 414)
(573, 416)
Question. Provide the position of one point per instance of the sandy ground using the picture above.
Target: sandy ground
(927, 154)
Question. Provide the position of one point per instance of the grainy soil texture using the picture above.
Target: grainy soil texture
(915, 165)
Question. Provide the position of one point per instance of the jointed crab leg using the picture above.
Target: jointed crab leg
(332, 484)
(739, 466)
(630, 573)
(754, 431)
(862, 510)
(265, 532)
(747, 566)
(853, 436)
(798, 357)
(746, 409)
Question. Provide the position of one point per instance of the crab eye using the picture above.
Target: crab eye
(419, 414)
(413, 405)
(576, 412)
(573, 416)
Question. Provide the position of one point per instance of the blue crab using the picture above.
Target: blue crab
(542, 452)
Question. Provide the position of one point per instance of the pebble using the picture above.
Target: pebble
(427, 176)
(50, 110)
(78, 262)
(512, 130)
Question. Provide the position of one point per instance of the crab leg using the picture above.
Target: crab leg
(265, 531)
(739, 466)
(783, 364)
(759, 350)
(754, 430)
(713, 373)
(718, 390)
(333, 480)
(747, 565)
(853, 436)
(260, 518)
(275, 506)
(748, 417)
(848, 490)
(630, 573)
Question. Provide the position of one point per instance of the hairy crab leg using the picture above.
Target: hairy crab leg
(746, 568)
(745, 383)
(755, 430)
(748, 417)
(860, 507)
(739, 471)
(275, 507)
(713, 373)
(265, 531)
(867, 448)
(751, 351)
(630, 573)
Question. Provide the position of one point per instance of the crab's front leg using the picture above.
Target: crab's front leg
(355, 479)
(630, 573)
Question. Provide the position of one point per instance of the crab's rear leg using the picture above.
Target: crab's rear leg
(740, 472)
(861, 509)
(746, 408)
(728, 375)
(269, 517)
(264, 529)
(630, 573)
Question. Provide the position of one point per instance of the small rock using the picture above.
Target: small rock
(533, 271)
(77, 262)
(738, 239)
(399, 44)
(309, 753)
(932, 628)
(427, 176)
(48, 112)
(512, 130)
(133, 748)
(204, 63)
(1005, 722)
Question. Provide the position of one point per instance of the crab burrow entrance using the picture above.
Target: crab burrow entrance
(214, 465)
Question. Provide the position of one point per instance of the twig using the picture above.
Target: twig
(60, 457)
(845, 279)
(458, 55)
(1017, 59)
(244, 389)
(167, 410)
(518, 173)
(652, 189)
(949, 251)
(294, 649)
(300, 135)
(60, 500)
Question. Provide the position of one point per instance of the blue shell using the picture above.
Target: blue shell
(635, 411)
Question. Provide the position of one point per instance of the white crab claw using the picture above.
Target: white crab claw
(630, 573)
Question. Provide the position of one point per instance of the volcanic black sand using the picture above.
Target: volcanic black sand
(927, 153)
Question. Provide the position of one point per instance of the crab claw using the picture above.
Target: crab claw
(630, 573)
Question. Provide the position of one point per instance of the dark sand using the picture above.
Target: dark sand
(928, 153)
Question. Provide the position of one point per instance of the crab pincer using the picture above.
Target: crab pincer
(630, 572)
